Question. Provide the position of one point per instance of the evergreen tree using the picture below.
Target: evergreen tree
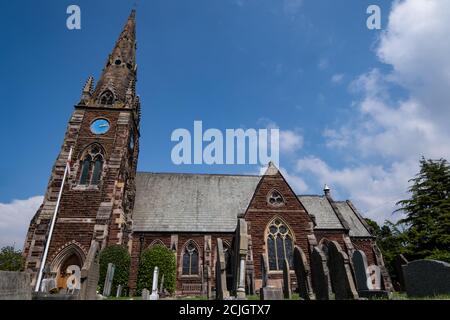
(428, 211)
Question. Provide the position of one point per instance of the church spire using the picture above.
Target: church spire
(120, 69)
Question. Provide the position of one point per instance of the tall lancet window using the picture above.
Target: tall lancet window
(280, 244)
(190, 259)
(85, 168)
(91, 166)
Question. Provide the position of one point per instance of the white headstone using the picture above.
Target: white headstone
(155, 295)
(374, 279)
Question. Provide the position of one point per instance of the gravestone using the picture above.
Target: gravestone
(385, 277)
(145, 294)
(264, 270)
(271, 293)
(155, 295)
(320, 275)
(108, 280)
(399, 262)
(368, 278)
(161, 285)
(119, 291)
(359, 260)
(286, 280)
(15, 285)
(90, 274)
(340, 273)
(267, 292)
(302, 271)
(221, 276)
(48, 285)
(427, 278)
(374, 280)
(240, 256)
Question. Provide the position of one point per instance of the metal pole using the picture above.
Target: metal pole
(47, 244)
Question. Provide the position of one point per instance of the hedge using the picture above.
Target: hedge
(119, 256)
(164, 259)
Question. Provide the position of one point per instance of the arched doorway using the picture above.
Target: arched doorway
(71, 255)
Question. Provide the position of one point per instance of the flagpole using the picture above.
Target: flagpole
(47, 244)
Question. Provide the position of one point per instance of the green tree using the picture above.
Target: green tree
(11, 260)
(428, 211)
(119, 256)
(164, 259)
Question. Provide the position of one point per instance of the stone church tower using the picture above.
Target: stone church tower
(98, 195)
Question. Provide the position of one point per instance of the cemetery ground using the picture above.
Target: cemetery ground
(295, 296)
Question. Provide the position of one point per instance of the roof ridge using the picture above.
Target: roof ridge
(199, 174)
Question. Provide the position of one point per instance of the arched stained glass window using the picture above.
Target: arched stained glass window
(98, 165)
(190, 259)
(91, 166)
(86, 166)
(280, 244)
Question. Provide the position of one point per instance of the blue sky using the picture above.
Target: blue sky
(311, 68)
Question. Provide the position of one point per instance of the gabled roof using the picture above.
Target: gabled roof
(319, 206)
(172, 202)
(357, 227)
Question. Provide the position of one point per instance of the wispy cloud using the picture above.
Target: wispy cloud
(14, 220)
(337, 78)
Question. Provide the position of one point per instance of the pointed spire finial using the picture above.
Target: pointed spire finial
(121, 65)
(87, 89)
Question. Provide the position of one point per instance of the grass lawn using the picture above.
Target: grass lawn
(395, 296)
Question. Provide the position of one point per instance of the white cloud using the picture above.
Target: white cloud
(374, 189)
(387, 135)
(337, 78)
(297, 183)
(15, 218)
(290, 141)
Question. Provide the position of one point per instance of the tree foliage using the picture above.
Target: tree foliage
(11, 259)
(424, 232)
(428, 210)
(119, 256)
(164, 259)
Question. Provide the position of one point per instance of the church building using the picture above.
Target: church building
(106, 201)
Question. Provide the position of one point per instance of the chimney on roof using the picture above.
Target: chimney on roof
(326, 190)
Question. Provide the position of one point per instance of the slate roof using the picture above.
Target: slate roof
(357, 228)
(319, 206)
(171, 202)
(179, 202)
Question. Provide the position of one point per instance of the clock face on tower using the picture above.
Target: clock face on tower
(100, 126)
